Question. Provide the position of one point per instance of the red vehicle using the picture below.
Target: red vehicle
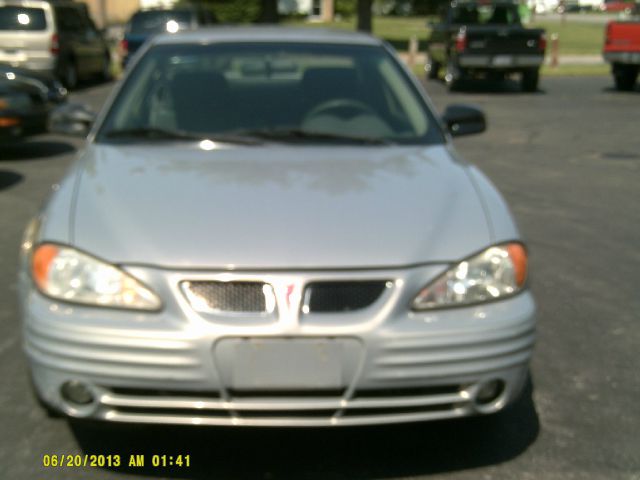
(613, 6)
(622, 50)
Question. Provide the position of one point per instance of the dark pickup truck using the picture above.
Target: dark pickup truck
(485, 38)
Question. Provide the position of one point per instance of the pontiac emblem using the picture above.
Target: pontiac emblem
(288, 295)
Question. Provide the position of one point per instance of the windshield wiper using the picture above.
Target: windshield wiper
(248, 136)
(296, 134)
(155, 133)
(152, 133)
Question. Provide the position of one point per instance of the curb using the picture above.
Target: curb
(421, 58)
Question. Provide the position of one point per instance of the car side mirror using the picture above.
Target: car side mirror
(72, 119)
(57, 93)
(464, 120)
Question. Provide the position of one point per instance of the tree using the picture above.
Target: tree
(364, 15)
(269, 11)
(328, 9)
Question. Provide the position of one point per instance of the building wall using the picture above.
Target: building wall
(115, 11)
(156, 3)
(110, 12)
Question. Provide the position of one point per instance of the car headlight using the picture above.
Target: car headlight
(495, 273)
(15, 101)
(66, 274)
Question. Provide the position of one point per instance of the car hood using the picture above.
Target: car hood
(21, 84)
(276, 206)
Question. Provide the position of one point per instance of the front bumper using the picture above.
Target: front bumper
(18, 125)
(176, 366)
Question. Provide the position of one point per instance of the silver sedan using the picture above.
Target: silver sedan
(271, 227)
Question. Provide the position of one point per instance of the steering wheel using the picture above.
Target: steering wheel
(344, 104)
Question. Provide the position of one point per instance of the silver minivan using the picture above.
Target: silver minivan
(52, 39)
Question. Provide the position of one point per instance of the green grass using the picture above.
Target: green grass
(418, 70)
(395, 30)
(576, 70)
(575, 38)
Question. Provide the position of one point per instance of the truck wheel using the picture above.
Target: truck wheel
(105, 74)
(530, 80)
(69, 76)
(625, 78)
(432, 68)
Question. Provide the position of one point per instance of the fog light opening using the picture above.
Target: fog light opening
(77, 393)
(489, 392)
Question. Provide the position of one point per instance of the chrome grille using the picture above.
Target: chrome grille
(238, 297)
(303, 408)
(326, 297)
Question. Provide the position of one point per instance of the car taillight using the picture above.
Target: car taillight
(542, 42)
(461, 41)
(55, 44)
(124, 47)
(9, 122)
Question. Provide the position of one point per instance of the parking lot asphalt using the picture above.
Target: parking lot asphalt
(568, 161)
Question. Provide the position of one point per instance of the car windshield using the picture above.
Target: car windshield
(22, 18)
(271, 92)
(155, 21)
(479, 14)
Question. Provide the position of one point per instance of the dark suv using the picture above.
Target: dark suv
(52, 39)
(146, 23)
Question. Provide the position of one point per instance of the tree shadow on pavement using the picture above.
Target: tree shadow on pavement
(9, 179)
(612, 89)
(88, 84)
(341, 453)
(34, 150)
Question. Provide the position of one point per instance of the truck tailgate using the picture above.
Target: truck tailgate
(623, 37)
(511, 41)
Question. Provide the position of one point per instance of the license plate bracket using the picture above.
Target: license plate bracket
(287, 364)
(503, 60)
